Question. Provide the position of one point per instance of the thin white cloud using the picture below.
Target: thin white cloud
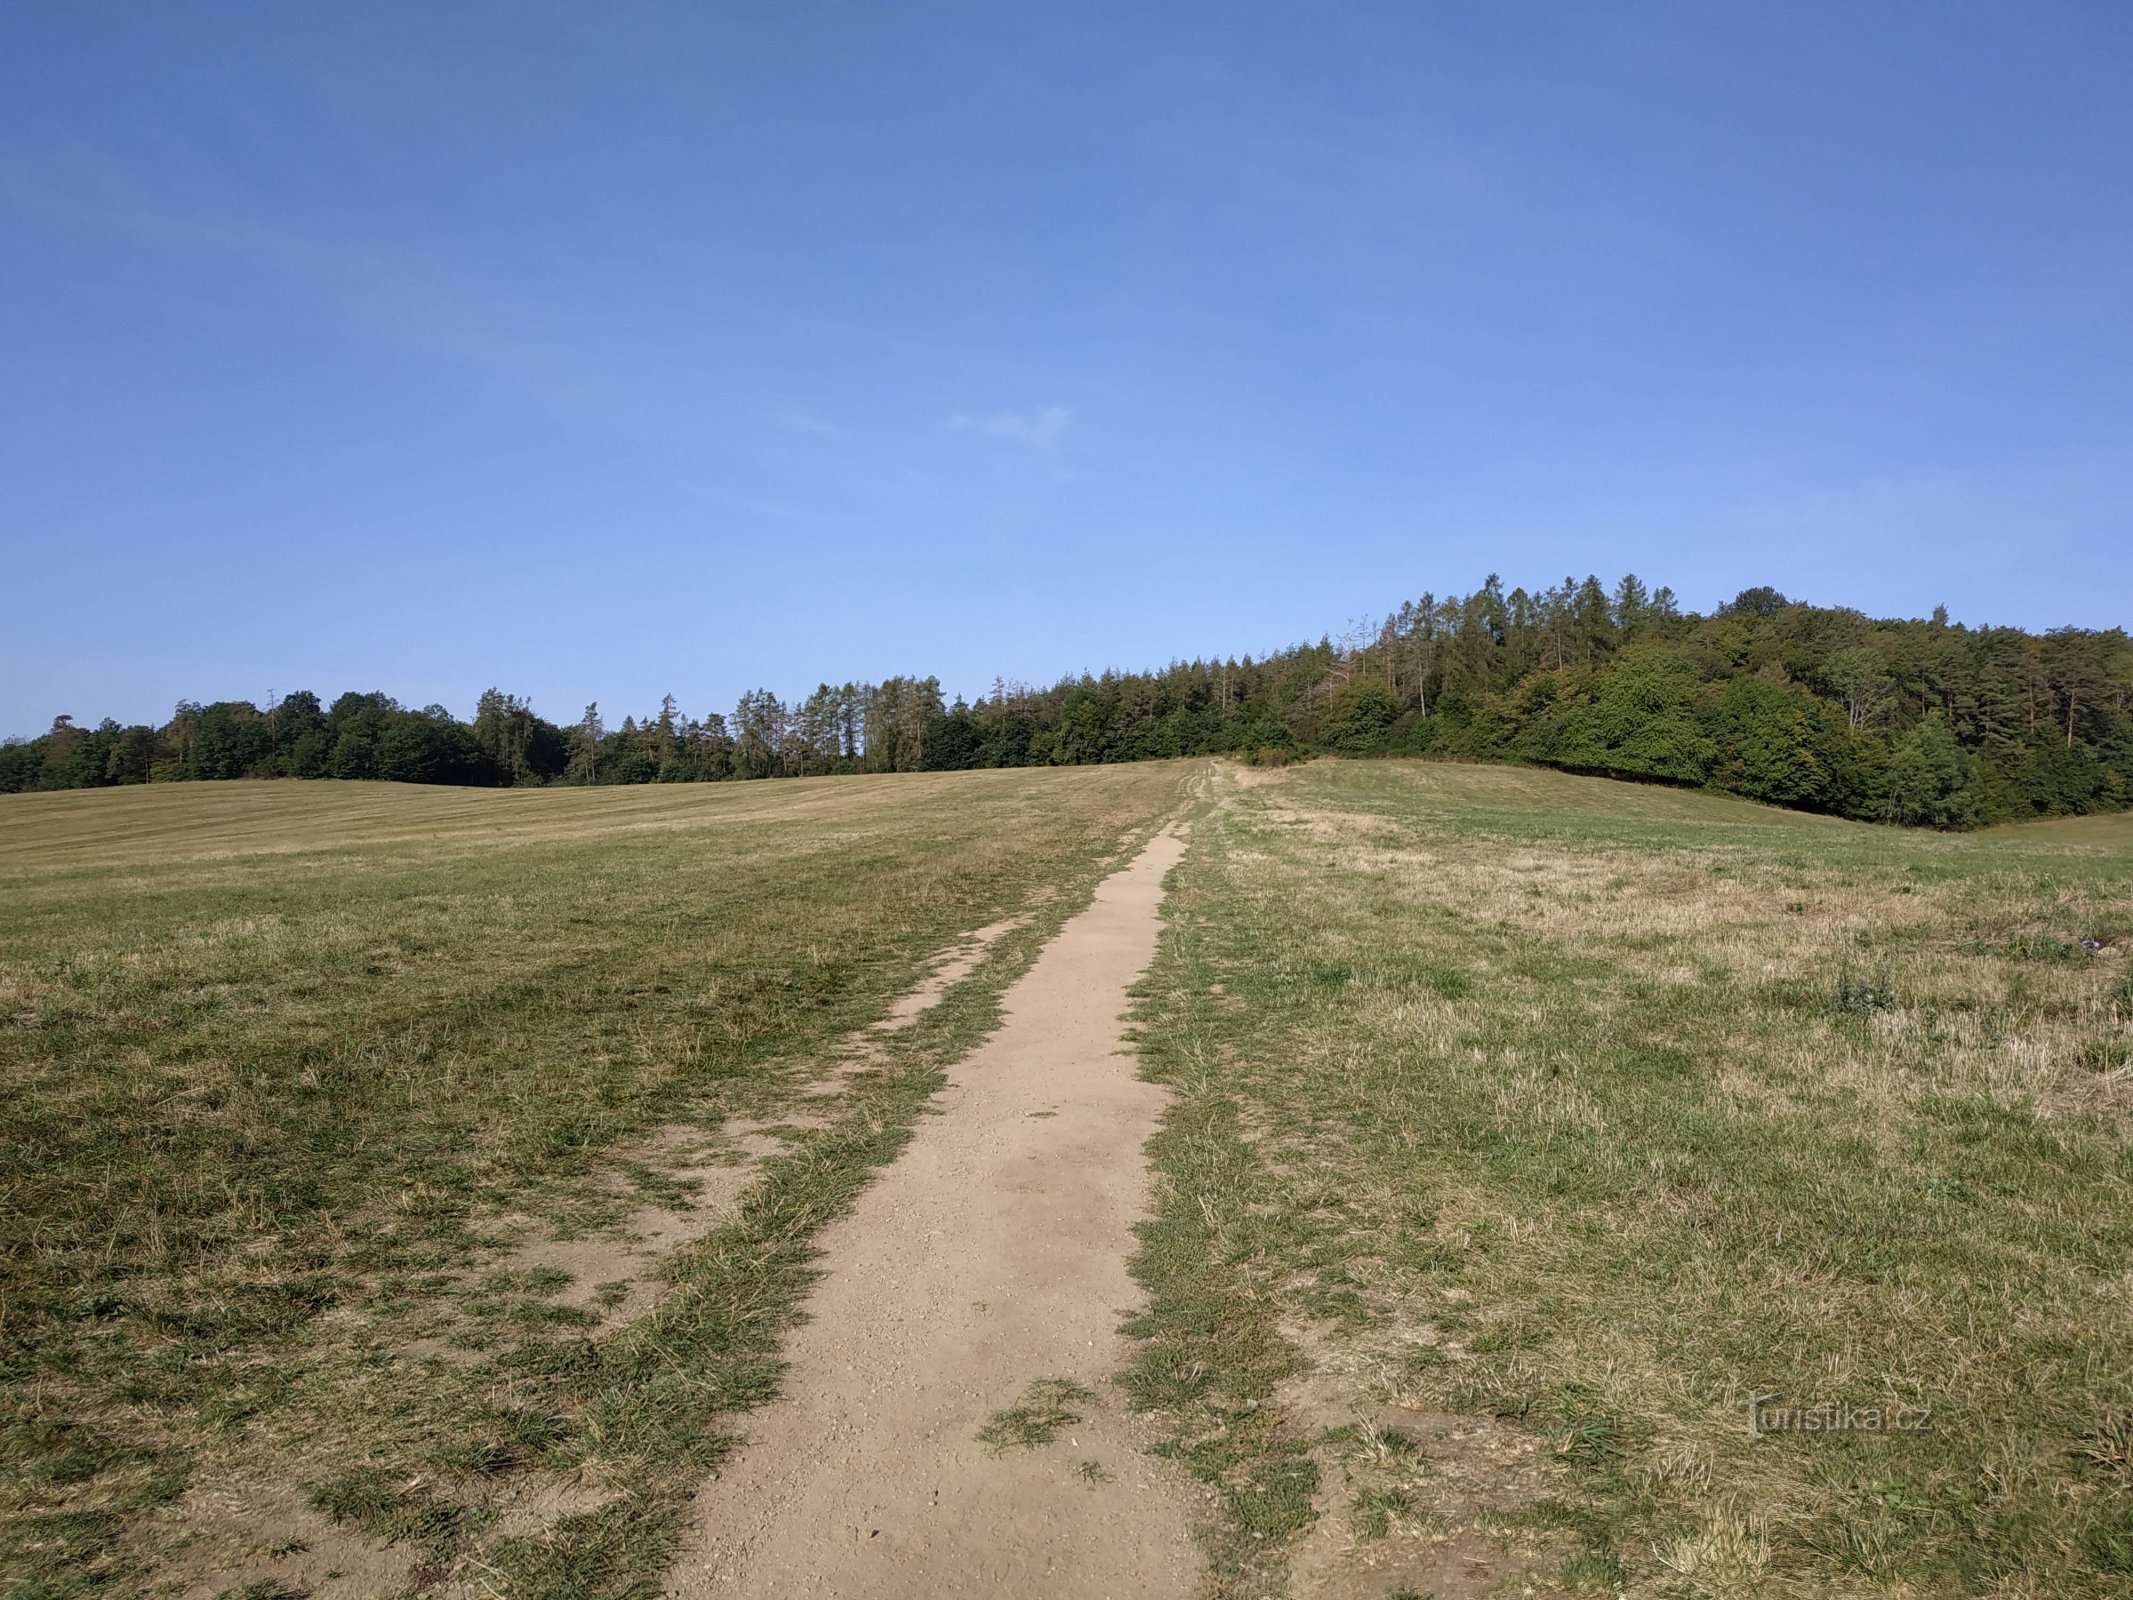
(804, 422)
(1043, 428)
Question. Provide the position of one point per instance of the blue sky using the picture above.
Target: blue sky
(597, 351)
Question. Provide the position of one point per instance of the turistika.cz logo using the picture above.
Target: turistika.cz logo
(1766, 1416)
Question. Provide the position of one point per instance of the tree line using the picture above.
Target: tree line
(1922, 722)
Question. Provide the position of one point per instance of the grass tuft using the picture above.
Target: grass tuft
(1047, 1408)
(366, 1500)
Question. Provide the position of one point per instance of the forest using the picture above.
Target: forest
(1919, 722)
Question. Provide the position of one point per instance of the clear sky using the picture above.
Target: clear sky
(602, 350)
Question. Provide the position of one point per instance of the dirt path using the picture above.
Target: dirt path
(990, 1256)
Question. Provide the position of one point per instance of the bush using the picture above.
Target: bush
(1861, 995)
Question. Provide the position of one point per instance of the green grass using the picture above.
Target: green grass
(1545, 1119)
(285, 1059)
(1567, 1117)
(1047, 1408)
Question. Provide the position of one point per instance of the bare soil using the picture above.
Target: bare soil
(1462, 1467)
(713, 1171)
(990, 1257)
(236, 1536)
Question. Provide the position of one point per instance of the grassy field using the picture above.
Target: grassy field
(1572, 1186)
(293, 1070)
(1580, 1186)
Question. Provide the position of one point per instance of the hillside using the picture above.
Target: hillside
(1821, 709)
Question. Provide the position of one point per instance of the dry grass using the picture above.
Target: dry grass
(298, 1070)
(1597, 1110)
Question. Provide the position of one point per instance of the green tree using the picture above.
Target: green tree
(428, 746)
(1593, 622)
(506, 730)
(1778, 743)
(358, 723)
(1929, 778)
(1862, 680)
(303, 741)
(1639, 721)
(1631, 604)
(585, 741)
(230, 741)
(1361, 716)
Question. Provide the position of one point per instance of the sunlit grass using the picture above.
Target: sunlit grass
(1584, 1114)
(285, 1062)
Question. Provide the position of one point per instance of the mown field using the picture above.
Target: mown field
(1584, 1187)
(1573, 1187)
(291, 1068)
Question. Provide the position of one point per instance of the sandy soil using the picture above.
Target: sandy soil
(990, 1256)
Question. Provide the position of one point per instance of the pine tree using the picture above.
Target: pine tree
(1631, 603)
(585, 741)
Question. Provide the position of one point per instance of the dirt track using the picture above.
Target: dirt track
(991, 1255)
